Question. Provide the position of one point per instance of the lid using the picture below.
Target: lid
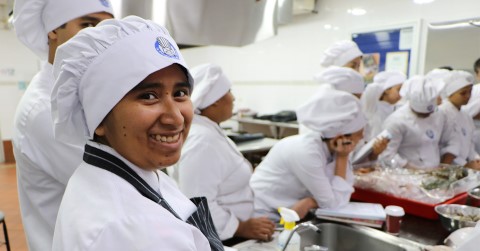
(394, 211)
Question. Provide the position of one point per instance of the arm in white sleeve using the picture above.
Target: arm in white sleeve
(201, 173)
(449, 142)
(391, 152)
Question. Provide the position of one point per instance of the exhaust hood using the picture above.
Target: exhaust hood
(210, 22)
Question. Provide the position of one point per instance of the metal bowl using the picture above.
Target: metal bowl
(454, 216)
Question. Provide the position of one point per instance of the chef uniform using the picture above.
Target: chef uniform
(417, 141)
(110, 203)
(473, 109)
(340, 53)
(460, 121)
(302, 166)
(210, 164)
(44, 165)
(375, 109)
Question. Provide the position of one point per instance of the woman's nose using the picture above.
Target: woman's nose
(171, 114)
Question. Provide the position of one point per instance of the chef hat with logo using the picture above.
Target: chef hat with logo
(211, 84)
(34, 19)
(340, 53)
(389, 79)
(473, 106)
(456, 81)
(440, 74)
(332, 113)
(342, 78)
(97, 67)
(423, 93)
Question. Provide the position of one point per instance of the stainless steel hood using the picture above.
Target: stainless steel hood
(212, 22)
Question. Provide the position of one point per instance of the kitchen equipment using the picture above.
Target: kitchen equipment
(455, 216)
(473, 198)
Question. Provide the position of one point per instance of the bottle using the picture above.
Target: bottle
(289, 217)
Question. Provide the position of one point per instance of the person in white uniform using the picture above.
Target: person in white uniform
(211, 165)
(312, 170)
(123, 87)
(458, 91)
(379, 100)
(44, 165)
(473, 109)
(420, 135)
(344, 53)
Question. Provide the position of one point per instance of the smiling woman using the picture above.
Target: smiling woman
(123, 87)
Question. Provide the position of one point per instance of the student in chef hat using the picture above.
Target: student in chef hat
(211, 164)
(343, 53)
(458, 91)
(473, 110)
(379, 99)
(420, 137)
(44, 165)
(312, 170)
(439, 74)
(124, 87)
(343, 79)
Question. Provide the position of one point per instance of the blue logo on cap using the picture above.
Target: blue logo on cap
(430, 134)
(430, 108)
(165, 48)
(105, 3)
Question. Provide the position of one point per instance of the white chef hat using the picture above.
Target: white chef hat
(440, 74)
(33, 19)
(341, 78)
(370, 98)
(423, 93)
(332, 112)
(340, 53)
(210, 85)
(96, 68)
(388, 79)
(456, 81)
(473, 106)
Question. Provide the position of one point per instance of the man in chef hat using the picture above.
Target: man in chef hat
(458, 91)
(44, 165)
(419, 135)
(124, 87)
(312, 170)
(343, 53)
(343, 79)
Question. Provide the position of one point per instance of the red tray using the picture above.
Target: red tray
(411, 207)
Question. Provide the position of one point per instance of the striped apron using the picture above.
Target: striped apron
(201, 219)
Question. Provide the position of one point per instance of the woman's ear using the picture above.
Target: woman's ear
(100, 131)
(52, 35)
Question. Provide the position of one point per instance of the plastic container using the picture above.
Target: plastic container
(394, 219)
(289, 218)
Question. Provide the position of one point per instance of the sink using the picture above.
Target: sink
(339, 237)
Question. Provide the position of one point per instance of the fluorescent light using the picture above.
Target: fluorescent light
(423, 1)
(357, 11)
(327, 26)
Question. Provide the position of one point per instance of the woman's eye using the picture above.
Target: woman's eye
(149, 96)
(89, 24)
(182, 93)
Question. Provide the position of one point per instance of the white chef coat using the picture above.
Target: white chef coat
(464, 129)
(375, 121)
(102, 211)
(44, 165)
(476, 135)
(297, 167)
(211, 166)
(418, 141)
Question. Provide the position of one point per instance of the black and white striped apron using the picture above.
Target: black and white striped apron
(201, 219)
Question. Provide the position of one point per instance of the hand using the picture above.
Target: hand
(474, 164)
(303, 206)
(256, 228)
(378, 147)
(342, 146)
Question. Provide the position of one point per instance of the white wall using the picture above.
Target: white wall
(17, 66)
(274, 74)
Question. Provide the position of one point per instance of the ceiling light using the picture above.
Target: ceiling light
(423, 1)
(357, 11)
(327, 26)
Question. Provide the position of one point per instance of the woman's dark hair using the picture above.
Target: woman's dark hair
(476, 66)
